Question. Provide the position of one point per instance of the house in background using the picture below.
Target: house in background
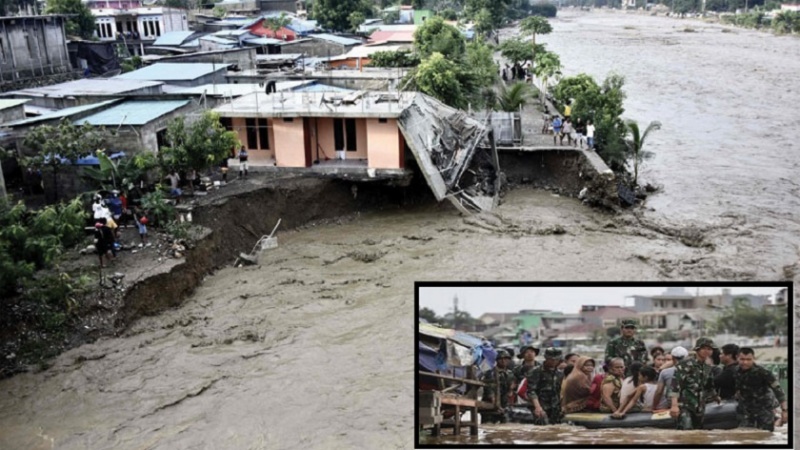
(12, 110)
(138, 24)
(83, 91)
(32, 46)
(180, 74)
(321, 44)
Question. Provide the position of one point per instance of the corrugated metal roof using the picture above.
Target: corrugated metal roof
(173, 38)
(66, 112)
(192, 43)
(173, 71)
(10, 103)
(87, 86)
(341, 40)
(263, 41)
(133, 113)
(316, 87)
(218, 40)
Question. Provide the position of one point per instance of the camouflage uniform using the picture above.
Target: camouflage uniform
(629, 349)
(545, 385)
(692, 379)
(504, 379)
(755, 402)
(521, 371)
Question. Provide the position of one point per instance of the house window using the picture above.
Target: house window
(674, 304)
(158, 28)
(288, 119)
(350, 134)
(226, 122)
(252, 133)
(161, 138)
(263, 134)
(382, 120)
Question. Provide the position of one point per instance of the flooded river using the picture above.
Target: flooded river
(314, 347)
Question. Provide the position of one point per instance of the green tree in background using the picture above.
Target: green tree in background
(399, 58)
(356, 18)
(335, 14)
(81, 23)
(438, 77)
(275, 23)
(534, 25)
(479, 60)
(428, 314)
(513, 97)
(547, 67)
(436, 36)
(516, 51)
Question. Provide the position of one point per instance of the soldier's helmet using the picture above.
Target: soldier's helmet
(552, 352)
(704, 342)
(526, 347)
(503, 354)
(628, 323)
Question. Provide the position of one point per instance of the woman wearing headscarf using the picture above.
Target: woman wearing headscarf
(576, 387)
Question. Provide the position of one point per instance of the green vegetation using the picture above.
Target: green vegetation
(534, 25)
(275, 23)
(745, 320)
(517, 51)
(335, 15)
(81, 21)
(53, 146)
(197, 146)
(399, 58)
(513, 97)
(783, 22)
(636, 143)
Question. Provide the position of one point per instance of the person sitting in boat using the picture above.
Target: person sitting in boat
(576, 389)
(661, 401)
(642, 398)
(593, 402)
(612, 385)
(569, 360)
(656, 351)
(629, 384)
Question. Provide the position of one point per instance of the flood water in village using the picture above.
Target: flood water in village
(314, 348)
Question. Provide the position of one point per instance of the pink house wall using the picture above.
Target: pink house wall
(240, 127)
(289, 142)
(383, 142)
(327, 142)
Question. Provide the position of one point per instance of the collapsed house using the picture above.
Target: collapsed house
(374, 133)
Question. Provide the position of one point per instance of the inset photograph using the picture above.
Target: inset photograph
(604, 364)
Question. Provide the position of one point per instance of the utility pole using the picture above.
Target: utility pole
(455, 312)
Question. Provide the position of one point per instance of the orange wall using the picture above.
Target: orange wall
(240, 127)
(351, 63)
(290, 145)
(327, 142)
(383, 142)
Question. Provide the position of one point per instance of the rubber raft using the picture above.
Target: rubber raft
(717, 417)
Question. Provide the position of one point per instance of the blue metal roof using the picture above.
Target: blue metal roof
(173, 38)
(66, 112)
(264, 41)
(138, 112)
(173, 71)
(219, 40)
(336, 39)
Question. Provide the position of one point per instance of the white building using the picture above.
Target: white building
(146, 23)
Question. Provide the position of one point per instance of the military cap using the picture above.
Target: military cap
(628, 323)
(503, 354)
(522, 350)
(552, 352)
(704, 342)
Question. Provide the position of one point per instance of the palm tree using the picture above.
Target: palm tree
(513, 97)
(535, 25)
(275, 23)
(636, 143)
(548, 65)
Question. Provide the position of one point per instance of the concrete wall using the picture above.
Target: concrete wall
(289, 143)
(383, 144)
(215, 77)
(32, 47)
(327, 140)
(243, 58)
(314, 47)
(12, 114)
(277, 5)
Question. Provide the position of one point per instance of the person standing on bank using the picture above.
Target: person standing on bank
(243, 162)
(627, 347)
(544, 388)
(692, 379)
(753, 384)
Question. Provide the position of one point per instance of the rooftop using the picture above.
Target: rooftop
(235, 90)
(10, 103)
(346, 41)
(173, 71)
(66, 112)
(173, 38)
(87, 86)
(319, 104)
(139, 112)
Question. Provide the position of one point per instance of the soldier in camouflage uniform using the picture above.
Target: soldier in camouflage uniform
(544, 388)
(528, 356)
(753, 384)
(503, 378)
(692, 378)
(627, 347)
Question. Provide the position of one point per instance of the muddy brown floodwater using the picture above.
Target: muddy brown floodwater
(314, 347)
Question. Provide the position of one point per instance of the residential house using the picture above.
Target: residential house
(138, 24)
(677, 298)
(393, 34)
(32, 46)
(11, 110)
(606, 315)
(233, 58)
(678, 320)
(371, 134)
(296, 29)
(368, 78)
(278, 6)
(113, 4)
(361, 56)
(180, 74)
(493, 319)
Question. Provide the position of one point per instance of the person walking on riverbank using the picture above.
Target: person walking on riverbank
(243, 162)
(692, 379)
(556, 128)
(590, 135)
(753, 384)
(566, 131)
